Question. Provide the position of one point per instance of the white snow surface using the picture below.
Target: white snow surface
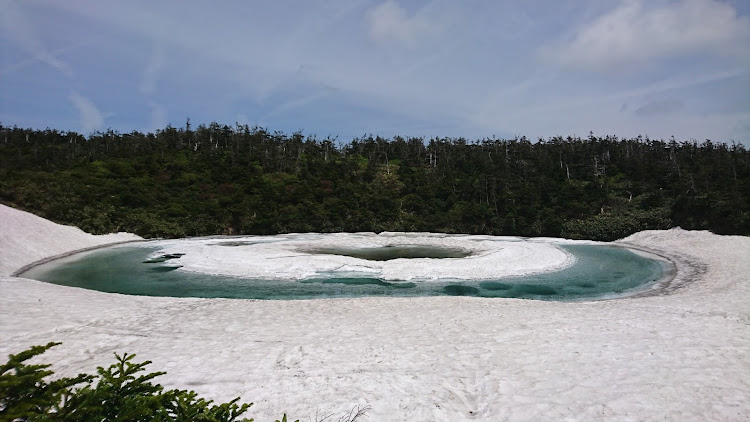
(288, 256)
(682, 356)
(26, 238)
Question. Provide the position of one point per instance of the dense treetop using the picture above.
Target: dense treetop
(220, 179)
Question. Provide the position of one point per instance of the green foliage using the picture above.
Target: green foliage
(186, 406)
(24, 392)
(616, 226)
(119, 395)
(238, 180)
(120, 392)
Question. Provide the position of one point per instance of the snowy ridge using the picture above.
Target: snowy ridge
(26, 238)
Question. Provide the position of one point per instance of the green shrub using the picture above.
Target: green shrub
(609, 227)
(24, 393)
(121, 393)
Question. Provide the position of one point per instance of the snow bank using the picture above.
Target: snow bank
(26, 238)
(684, 355)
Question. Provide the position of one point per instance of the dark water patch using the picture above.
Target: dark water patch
(460, 290)
(495, 285)
(357, 281)
(535, 290)
(236, 243)
(402, 285)
(389, 252)
(352, 281)
(164, 269)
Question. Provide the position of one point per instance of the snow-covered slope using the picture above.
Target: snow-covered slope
(26, 238)
(682, 356)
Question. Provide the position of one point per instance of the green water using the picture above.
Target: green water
(600, 271)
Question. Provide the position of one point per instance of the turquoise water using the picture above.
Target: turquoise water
(600, 271)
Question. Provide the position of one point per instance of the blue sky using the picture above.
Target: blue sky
(346, 68)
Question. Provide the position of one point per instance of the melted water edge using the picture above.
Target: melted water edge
(601, 271)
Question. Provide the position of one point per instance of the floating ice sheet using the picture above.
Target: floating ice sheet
(300, 256)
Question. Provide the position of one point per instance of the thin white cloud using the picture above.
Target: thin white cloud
(158, 115)
(91, 118)
(293, 104)
(148, 85)
(635, 33)
(660, 107)
(439, 68)
(18, 28)
(60, 65)
(389, 22)
(151, 72)
(554, 105)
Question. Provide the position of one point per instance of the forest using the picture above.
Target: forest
(220, 179)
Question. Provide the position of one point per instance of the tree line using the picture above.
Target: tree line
(221, 179)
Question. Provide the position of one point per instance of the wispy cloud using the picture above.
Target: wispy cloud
(158, 116)
(659, 107)
(637, 32)
(389, 22)
(669, 84)
(148, 86)
(91, 118)
(433, 67)
(19, 29)
(54, 55)
(151, 72)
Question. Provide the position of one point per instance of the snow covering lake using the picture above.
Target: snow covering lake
(305, 266)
